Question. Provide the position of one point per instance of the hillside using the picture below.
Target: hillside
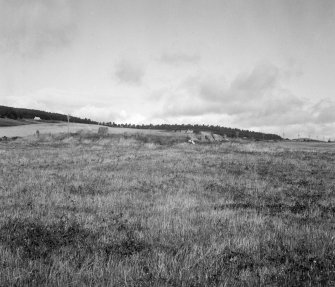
(10, 116)
(200, 129)
(5, 122)
(20, 113)
(24, 130)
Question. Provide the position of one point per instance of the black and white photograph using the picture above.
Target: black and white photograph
(167, 143)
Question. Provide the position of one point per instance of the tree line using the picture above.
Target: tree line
(20, 113)
(223, 131)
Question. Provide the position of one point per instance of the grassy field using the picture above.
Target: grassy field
(150, 210)
(26, 128)
(29, 128)
(11, 123)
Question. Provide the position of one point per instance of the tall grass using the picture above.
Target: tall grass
(141, 211)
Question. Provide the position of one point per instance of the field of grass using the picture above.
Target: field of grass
(148, 210)
(29, 128)
(11, 123)
(24, 128)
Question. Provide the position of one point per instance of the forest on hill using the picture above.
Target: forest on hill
(220, 130)
(20, 113)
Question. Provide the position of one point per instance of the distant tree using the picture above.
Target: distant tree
(11, 114)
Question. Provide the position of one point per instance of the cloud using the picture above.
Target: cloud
(95, 113)
(179, 58)
(246, 93)
(51, 99)
(108, 114)
(30, 28)
(257, 98)
(261, 79)
(323, 111)
(129, 73)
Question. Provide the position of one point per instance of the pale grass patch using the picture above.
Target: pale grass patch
(177, 201)
(247, 243)
(150, 146)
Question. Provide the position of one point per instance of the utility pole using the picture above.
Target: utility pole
(68, 125)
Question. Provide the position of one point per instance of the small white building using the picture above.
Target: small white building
(37, 118)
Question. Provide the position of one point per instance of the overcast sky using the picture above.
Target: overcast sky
(266, 65)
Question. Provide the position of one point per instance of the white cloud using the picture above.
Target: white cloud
(257, 99)
(129, 72)
(108, 114)
(256, 94)
(99, 114)
(324, 111)
(29, 28)
(179, 58)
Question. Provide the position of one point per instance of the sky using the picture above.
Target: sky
(263, 65)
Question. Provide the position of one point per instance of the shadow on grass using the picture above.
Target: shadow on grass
(36, 241)
(158, 139)
(301, 260)
(271, 208)
(277, 262)
(33, 243)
